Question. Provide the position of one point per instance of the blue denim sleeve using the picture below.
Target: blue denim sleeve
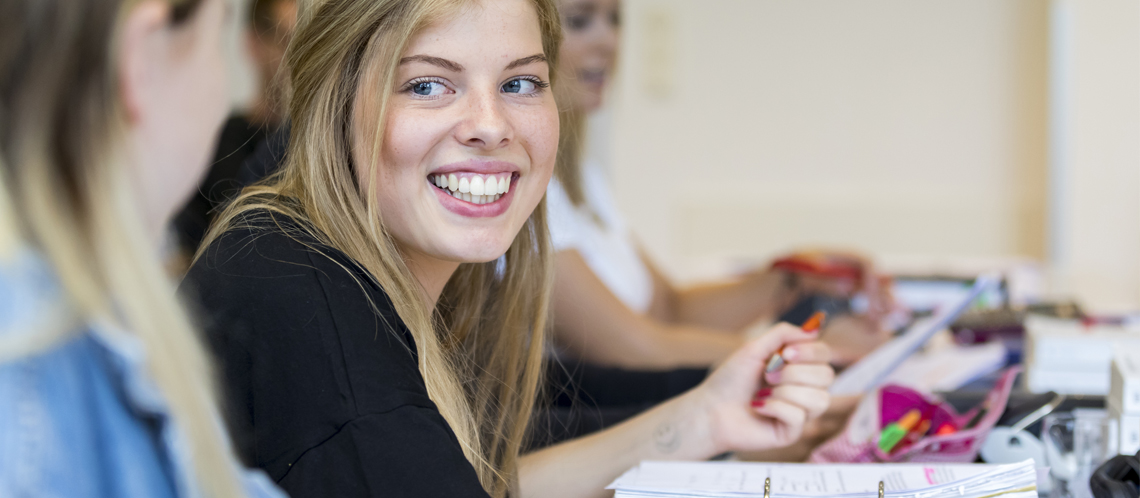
(65, 432)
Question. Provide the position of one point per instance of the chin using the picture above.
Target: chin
(480, 251)
(590, 102)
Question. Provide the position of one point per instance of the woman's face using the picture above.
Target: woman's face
(470, 135)
(176, 93)
(590, 30)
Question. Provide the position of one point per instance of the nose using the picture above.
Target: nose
(486, 125)
(606, 38)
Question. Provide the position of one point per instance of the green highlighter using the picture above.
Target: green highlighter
(896, 431)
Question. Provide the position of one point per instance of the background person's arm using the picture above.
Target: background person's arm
(762, 295)
(725, 306)
(596, 326)
(712, 418)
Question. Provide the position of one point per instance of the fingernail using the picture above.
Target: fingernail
(763, 393)
(789, 354)
(757, 403)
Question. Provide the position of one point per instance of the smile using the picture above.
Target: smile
(473, 188)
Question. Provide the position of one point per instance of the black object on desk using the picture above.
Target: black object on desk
(1117, 478)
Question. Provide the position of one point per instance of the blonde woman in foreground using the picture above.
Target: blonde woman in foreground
(382, 334)
(107, 113)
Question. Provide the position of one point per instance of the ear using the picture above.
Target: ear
(140, 45)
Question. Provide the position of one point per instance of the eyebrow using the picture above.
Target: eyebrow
(458, 68)
(527, 60)
(435, 61)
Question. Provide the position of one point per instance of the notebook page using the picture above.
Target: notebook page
(810, 480)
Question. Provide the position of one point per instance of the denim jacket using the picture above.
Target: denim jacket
(82, 418)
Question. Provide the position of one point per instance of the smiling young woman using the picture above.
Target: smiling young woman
(379, 305)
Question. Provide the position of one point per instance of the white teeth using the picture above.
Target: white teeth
(475, 189)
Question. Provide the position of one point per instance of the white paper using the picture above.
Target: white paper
(737, 479)
(871, 371)
(948, 368)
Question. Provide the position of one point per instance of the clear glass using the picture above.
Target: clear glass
(1076, 444)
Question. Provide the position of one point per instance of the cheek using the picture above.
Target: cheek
(406, 142)
(542, 140)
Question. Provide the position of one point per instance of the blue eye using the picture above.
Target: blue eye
(523, 86)
(428, 88)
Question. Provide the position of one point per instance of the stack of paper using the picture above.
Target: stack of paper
(795, 480)
(1067, 357)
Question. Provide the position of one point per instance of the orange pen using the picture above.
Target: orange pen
(811, 325)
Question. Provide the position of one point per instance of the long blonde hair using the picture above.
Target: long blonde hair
(571, 146)
(480, 349)
(65, 193)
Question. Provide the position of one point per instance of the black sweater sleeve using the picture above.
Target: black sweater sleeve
(321, 391)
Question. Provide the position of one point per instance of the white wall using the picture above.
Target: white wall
(746, 127)
(1095, 153)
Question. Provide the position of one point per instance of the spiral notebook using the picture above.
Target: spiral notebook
(802, 480)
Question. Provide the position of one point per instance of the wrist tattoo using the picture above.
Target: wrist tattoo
(667, 438)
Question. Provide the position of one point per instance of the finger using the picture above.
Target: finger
(790, 416)
(807, 352)
(778, 336)
(809, 375)
(814, 401)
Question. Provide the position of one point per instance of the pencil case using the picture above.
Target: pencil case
(858, 443)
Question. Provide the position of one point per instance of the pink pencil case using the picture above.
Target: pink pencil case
(858, 441)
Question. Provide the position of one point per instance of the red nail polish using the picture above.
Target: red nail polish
(763, 393)
(757, 403)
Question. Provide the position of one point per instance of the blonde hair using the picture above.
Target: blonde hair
(480, 349)
(571, 130)
(65, 192)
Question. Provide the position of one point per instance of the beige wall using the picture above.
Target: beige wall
(742, 128)
(1095, 151)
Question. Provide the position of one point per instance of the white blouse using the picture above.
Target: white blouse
(604, 242)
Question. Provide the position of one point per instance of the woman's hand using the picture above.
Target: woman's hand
(826, 278)
(748, 410)
(816, 432)
(730, 410)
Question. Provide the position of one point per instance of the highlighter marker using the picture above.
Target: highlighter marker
(894, 431)
(811, 325)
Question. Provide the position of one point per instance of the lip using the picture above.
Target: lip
(593, 77)
(464, 208)
(478, 167)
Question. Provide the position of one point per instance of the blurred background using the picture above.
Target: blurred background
(937, 135)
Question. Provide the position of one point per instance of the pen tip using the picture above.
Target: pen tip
(812, 324)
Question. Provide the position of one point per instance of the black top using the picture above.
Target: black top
(322, 393)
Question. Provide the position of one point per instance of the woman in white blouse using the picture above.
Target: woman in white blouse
(612, 307)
